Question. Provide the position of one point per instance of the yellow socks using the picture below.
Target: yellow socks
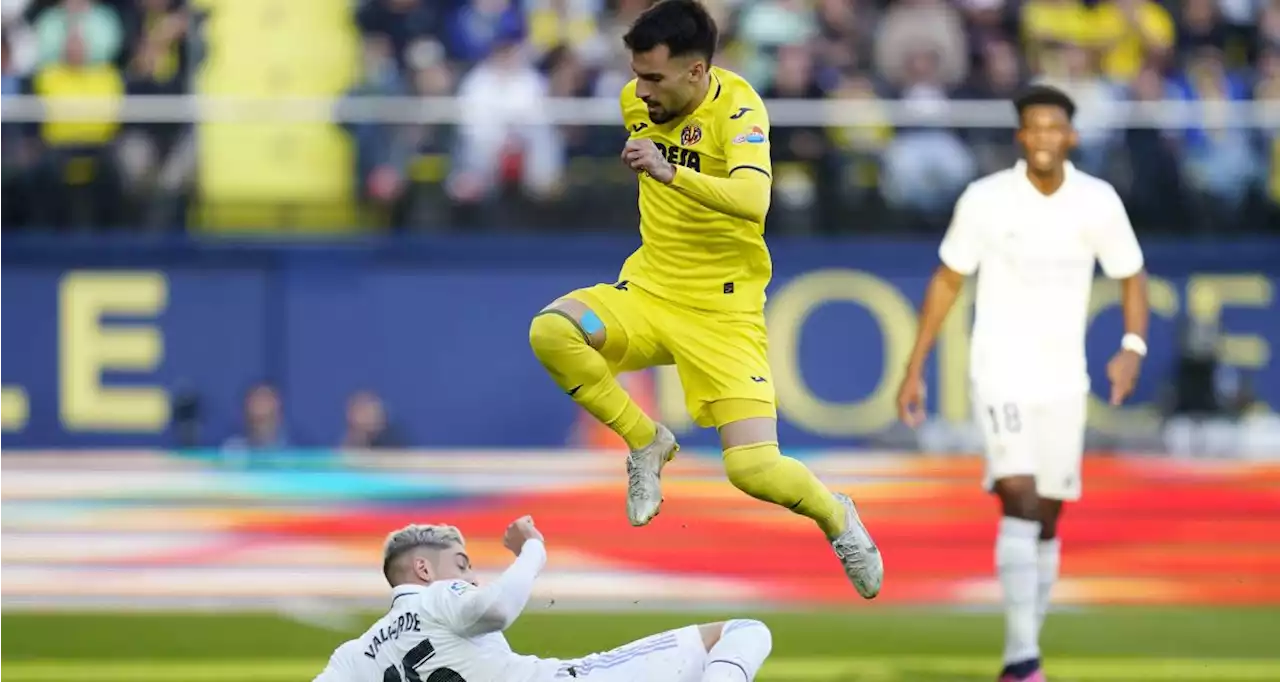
(582, 372)
(761, 471)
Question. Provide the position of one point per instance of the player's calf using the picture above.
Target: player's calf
(1048, 559)
(757, 467)
(565, 337)
(1017, 559)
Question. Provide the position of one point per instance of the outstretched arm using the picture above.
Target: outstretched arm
(496, 606)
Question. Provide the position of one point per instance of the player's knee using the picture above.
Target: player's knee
(1050, 511)
(752, 630)
(710, 633)
(747, 467)
(553, 333)
(1018, 498)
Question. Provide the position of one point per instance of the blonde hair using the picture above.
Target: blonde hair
(413, 536)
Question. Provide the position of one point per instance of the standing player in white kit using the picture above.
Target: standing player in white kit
(1032, 234)
(442, 627)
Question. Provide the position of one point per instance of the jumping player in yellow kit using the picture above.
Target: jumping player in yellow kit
(693, 294)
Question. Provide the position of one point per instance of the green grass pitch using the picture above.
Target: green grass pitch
(868, 645)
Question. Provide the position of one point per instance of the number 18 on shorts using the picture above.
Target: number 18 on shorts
(1040, 438)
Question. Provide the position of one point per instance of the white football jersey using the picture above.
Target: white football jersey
(426, 637)
(349, 664)
(1034, 256)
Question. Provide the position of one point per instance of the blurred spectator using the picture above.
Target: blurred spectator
(96, 26)
(401, 21)
(914, 28)
(158, 160)
(925, 168)
(19, 155)
(1054, 22)
(857, 149)
(1073, 72)
(505, 132)
(264, 427)
(157, 61)
(987, 22)
(1201, 26)
(568, 77)
(1000, 79)
(764, 27)
(1131, 32)
(614, 63)
(186, 416)
(1219, 158)
(367, 426)
(846, 29)
(1269, 26)
(797, 151)
(481, 27)
(1155, 193)
(77, 169)
(22, 44)
(1267, 89)
(383, 151)
(568, 23)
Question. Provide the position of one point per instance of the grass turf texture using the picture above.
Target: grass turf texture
(872, 645)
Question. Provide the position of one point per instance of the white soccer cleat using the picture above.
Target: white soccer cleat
(644, 476)
(858, 552)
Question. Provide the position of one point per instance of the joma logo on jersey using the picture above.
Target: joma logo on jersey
(681, 156)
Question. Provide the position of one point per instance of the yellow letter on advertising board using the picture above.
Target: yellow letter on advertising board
(88, 346)
(13, 408)
(790, 308)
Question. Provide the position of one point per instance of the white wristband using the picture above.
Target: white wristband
(1134, 343)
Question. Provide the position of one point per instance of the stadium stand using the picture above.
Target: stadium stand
(925, 54)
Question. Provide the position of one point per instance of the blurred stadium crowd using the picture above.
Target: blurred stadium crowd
(504, 163)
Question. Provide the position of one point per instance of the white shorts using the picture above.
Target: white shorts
(1040, 438)
(672, 656)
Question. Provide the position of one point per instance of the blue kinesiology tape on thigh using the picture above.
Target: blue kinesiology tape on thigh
(591, 322)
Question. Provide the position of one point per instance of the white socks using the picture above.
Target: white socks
(1017, 559)
(737, 657)
(1047, 565)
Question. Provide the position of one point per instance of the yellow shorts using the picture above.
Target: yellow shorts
(720, 355)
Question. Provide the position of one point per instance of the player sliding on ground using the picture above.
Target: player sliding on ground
(443, 627)
(1032, 234)
(693, 294)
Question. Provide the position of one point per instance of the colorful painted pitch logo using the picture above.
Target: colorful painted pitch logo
(755, 135)
(691, 135)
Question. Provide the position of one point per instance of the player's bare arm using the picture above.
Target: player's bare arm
(944, 289)
(1126, 364)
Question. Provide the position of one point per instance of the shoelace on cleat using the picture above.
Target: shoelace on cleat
(635, 481)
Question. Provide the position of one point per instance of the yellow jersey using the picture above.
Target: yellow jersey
(1122, 43)
(690, 254)
(58, 81)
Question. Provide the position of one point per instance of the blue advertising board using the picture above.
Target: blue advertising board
(100, 334)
